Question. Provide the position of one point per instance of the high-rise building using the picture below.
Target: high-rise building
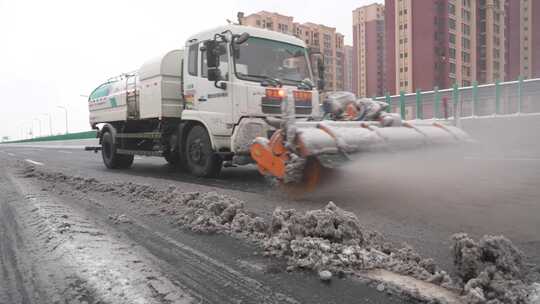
(369, 50)
(318, 37)
(492, 40)
(272, 21)
(430, 43)
(523, 19)
(348, 66)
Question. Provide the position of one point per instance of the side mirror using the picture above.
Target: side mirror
(320, 70)
(214, 74)
(212, 59)
(242, 38)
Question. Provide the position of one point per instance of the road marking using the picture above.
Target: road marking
(138, 158)
(66, 152)
(34, 162)
(500, 159)
(10, 154)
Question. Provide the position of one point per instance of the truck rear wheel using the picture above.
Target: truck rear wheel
(201, 159)
(111, 159)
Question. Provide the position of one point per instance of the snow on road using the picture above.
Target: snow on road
(34, 162)
(69, 257)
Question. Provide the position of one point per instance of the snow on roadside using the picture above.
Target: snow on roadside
(74, 251)
(333, 240)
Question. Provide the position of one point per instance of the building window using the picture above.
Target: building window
(466, 43)
(451, 9)
(452, 53)
(466, 57)
(465, 29)
(452, 24)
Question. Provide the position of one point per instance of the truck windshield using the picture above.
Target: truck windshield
(258, 59)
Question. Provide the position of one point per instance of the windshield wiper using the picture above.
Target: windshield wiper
(304, 84)
(267, 80)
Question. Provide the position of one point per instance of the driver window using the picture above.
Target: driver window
(192, 59)
(223, 65)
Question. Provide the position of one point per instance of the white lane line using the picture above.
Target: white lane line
(138, 158)
(34, 162)
(501, 159)
(10, 154)
(66, 152)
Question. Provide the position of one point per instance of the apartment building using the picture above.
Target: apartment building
(348, 50)
(272, 21)
(430, 44)
(369, 50)
(320, 38)
(492, 40)
(523, 36)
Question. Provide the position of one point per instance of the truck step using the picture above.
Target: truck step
(139, 152)
(146, 135)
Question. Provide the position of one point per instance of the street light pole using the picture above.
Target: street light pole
(65, 110)
(21, 129)
(50, 123)
(39, 123)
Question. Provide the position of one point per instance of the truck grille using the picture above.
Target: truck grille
(273, 106)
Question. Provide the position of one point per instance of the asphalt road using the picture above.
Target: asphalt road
(413, 199)
(419, 199)
(59, 244)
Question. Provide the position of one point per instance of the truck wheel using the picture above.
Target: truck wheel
(200, 158)
(172, 153)
(172, 158)
(111, 159)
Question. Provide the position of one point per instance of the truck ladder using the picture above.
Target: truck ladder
(132, 97)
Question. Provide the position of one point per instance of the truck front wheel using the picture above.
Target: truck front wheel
(200, 157)
(111, 159)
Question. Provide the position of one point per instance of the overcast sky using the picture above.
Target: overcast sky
(54, 51)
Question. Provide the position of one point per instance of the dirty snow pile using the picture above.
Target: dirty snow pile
(211, 212)
(492, 270)
(331, 241)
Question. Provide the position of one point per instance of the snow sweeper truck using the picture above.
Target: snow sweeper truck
(238, 95)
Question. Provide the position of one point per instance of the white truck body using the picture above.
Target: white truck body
(175, 86)
(156, 88)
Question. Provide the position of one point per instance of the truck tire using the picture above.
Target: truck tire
(172, 153)
(111, 159)
(200, 157)
(172, 158)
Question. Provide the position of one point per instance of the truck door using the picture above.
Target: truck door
(213, 104)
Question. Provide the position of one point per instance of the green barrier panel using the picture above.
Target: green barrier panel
(389, 102)
(402, 104)
(419, 109)
(497, 97)
(70, 136)
(437, 112)
(475, 98)
(520, 94)
(455, 98)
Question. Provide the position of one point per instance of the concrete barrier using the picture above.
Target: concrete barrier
(509, 136)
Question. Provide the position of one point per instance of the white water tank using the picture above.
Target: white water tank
(160, 86)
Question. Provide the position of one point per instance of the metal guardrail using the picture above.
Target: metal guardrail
(501, 98)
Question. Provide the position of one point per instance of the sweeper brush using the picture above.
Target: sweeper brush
(300, 152)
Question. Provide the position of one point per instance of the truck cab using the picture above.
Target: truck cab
(251, 71)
